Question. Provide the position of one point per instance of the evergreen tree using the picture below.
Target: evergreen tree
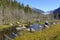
(28, 9)
(22, 6)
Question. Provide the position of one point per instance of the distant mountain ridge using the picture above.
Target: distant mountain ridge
(37, 10)
(57, 10)
(56, 13)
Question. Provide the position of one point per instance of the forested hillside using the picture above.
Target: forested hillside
(11, 11)
(56, 13)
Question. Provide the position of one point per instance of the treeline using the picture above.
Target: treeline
(14, 4)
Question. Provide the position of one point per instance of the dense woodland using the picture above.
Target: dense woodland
(11, 11)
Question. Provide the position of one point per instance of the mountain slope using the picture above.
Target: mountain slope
(37, 10)
(56, 13)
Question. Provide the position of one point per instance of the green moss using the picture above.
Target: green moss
(41, 23)
(4, 27)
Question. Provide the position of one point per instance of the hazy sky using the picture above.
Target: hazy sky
(45, 5)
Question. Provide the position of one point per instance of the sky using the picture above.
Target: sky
(45, 5)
